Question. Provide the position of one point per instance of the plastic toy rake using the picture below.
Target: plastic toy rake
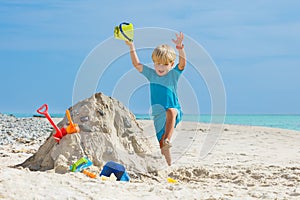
(81, 164)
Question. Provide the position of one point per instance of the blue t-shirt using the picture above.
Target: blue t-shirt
(163, 89)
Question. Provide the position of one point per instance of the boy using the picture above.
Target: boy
(163, 80)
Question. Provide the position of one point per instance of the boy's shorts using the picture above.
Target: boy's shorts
(160, 122)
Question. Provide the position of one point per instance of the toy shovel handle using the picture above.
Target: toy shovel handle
(69, 117)
(43, 109)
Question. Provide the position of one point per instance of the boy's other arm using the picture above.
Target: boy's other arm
(134, 58)
(181, 52)
(182, 59)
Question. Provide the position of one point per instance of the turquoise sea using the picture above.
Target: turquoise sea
(291, 122)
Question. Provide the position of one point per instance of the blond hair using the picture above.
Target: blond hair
(163, 54)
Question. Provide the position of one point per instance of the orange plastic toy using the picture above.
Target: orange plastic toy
(89, 174)
(60, 133)
(71, 128)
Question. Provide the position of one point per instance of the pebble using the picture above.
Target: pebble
(22, 130)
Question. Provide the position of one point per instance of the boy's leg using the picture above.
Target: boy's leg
(171, 115)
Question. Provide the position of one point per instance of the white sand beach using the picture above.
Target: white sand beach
(246, 163)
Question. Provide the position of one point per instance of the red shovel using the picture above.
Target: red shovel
(44, 111)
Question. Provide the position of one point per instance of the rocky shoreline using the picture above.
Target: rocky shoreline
(23, 130)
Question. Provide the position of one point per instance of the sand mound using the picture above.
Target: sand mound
(109, 131)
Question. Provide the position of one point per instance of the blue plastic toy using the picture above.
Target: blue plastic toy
(117, 169)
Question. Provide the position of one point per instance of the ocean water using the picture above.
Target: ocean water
(26, 115)
(291, 122)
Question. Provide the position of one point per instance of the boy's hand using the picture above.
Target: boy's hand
(129, 43)
(179, 47)
(179, 39)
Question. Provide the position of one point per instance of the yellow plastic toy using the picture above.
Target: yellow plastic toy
(71, 128)
(111, 178)
(170, 180)
(124, 31)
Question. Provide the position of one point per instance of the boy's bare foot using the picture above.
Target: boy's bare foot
(165, 150)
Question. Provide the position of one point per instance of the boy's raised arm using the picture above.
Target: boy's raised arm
(134, 58)
(180, 48)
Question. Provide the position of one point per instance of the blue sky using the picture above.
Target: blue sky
(254, 44)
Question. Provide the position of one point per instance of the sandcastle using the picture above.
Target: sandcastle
(109, 131)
